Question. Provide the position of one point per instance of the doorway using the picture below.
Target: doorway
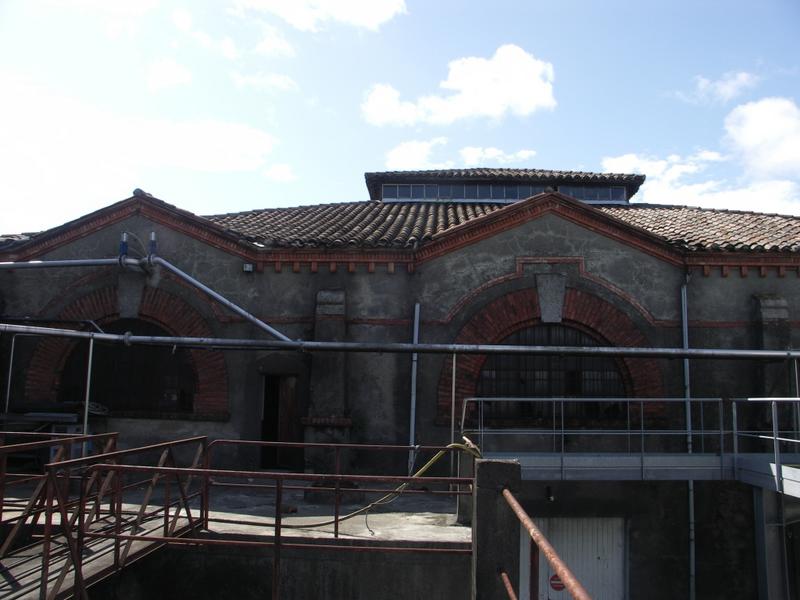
(280, 423)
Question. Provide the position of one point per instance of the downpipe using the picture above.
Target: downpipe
(687, 393)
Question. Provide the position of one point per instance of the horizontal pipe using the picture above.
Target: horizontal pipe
(240, 542)
(80, 262)
(569, 580)
(218, 297)
(277, 476)
(323, 445)
(406, 348)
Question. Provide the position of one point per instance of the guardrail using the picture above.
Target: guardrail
(100, 513)
(30, 508)
(571, 583)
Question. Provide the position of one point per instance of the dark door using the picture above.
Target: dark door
(280, 422)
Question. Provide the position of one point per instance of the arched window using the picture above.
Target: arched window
(520, 376)
(132, 379)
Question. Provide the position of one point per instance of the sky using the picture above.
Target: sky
(232, 105)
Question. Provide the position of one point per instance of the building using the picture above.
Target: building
(490, 256)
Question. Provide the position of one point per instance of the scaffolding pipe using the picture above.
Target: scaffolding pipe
(412, 426)
(687, 392)
(152, 259)
(85, 430)
(403, 348)
(453, 412)
(10, 368)
(78, 262)
(123, 261)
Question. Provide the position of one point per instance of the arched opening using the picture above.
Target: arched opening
(551, 376)
(132, 380)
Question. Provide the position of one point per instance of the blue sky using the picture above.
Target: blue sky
(234, 105)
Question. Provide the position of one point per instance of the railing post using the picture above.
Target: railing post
(337, 498)
(276, 556)
(641, 438)
(721, 441)
(495, 528)
(776, 448)
(735, 440)
(48, 532)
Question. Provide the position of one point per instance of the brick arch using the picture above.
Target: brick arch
(157, 306)
(520, 309)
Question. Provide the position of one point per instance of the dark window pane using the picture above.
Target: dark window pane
(498, 192)
(618, 193)
(524, 191)
(404, 192)
(511, 192)
(551, 376)
(390, 191)
(484, 192)
(417, 191)
(445, 192)
(458, 191)
(431, 192)
(471, 192)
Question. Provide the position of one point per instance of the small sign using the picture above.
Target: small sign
(556, 583)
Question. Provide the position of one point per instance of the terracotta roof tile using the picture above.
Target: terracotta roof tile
(713, 229)
(404, 225)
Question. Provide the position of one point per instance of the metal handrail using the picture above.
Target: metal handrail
(574, 587)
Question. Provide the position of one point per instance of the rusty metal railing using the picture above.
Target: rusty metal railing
(28, 504)
(571, 583)
(281, 483)
(99, 514)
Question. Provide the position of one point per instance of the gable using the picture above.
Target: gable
(555, 204)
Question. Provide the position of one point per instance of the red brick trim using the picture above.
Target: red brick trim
(520, 309)
(160, 307)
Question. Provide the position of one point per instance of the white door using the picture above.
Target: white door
(593, 549)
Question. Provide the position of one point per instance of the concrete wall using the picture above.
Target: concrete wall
(212, 573)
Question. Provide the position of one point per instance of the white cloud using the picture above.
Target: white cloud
(512, 81)
(475, 155)
(166, 73)
(669, 181)
(722, 90)
(64, 158)
(274, 43)
(182, 19)
(119, 17)
(266, 81)
(310, 15)
(281, 173)
(766, 136)
(415, 154)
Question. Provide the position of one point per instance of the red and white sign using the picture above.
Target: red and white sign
(556, 583)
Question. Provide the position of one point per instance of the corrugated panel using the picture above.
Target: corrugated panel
(593, 548)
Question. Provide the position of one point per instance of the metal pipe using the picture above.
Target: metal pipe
(406, 348)
(85, 430)
(569, 580)
(81, 262)
(509, 587)
(152, 259)
(10, 367)
(412, 425)
(453, 413)
(687, 392)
